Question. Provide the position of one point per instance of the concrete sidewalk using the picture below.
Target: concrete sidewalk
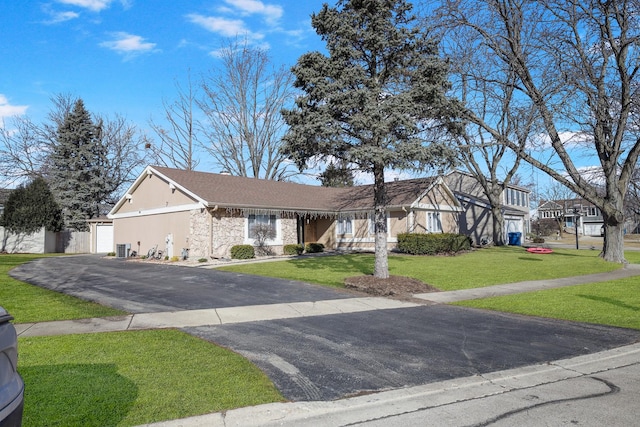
(629, 270)
(209, 317)
(254, 313)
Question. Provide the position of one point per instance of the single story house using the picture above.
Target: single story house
(175, 210)
(477, 221)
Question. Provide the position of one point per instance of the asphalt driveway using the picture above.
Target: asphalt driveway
(145, 287)
(331, 356)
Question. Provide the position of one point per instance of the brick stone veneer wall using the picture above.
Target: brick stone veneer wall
(199, 223)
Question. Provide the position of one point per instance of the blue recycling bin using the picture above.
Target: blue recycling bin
(514, 239)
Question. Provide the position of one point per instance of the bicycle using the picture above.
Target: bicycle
(154, 253)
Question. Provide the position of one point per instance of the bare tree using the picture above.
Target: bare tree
(23, 150)
(575, 62)
(243, 125)
(178, 135)
(125, 158)
(26, 147)
(262, 233)
(488, 90)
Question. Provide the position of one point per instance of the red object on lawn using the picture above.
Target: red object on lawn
(539, 250)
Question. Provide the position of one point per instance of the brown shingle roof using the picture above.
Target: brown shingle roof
(242, 192)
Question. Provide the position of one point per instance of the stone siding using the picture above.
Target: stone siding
(289, 231)
(199, 232)
(227, 231)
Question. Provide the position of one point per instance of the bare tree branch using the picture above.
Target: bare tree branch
(242, 104)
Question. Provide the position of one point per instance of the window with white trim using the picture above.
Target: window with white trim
(345, 226)
(254, 220)
(592, 211)
(434, 225)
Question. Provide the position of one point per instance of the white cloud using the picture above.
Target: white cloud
(128, 44)
(218, 25)
(271, 12)
(57, 17)
(8, 110)
(568, 139)
(92, 5)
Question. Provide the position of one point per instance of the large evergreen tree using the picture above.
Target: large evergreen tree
(372, 100)
(31, 207)
(78, 174)
(337, 176)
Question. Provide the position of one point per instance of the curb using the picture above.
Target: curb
(382, 405)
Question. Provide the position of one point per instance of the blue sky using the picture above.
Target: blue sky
(124, 56)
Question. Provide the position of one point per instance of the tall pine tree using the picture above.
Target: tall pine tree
(372, 100)
(78, 175)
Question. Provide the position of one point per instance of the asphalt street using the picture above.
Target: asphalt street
(329, 356)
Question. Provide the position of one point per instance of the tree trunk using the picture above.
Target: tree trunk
(381, 266)
(613, 246)
(498, 225)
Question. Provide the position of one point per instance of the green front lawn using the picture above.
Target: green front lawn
(613, 303)
(485, 267)
(120, 378)
(27, 303)
(632, 256)
(132, 378)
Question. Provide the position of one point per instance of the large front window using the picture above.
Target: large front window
(258, 220)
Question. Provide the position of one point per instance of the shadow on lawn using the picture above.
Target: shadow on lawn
(614, 302)
(76, 395)
(346, 263)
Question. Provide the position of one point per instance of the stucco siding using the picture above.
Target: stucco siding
(397, 223)
(35, 243)
(169, 231)
(154, 193)
(438, 197)
(325, 232)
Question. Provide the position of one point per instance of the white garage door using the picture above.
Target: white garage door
(104, 238)
(592, 229)
(513, 225)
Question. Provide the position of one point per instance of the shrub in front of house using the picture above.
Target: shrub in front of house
(538, 239)
(202, 260)
(432, 244)
(243, 252)
(293, 249)
(313, 248)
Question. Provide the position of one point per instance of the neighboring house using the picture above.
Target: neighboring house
(98, 239)
(209, 213)
(572, 213)
(477, 221)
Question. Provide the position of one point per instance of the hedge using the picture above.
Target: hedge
(312, 248)
(432, 244)
(293, 249)
(242, 252)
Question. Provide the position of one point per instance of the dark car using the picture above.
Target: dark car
(11, 384)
